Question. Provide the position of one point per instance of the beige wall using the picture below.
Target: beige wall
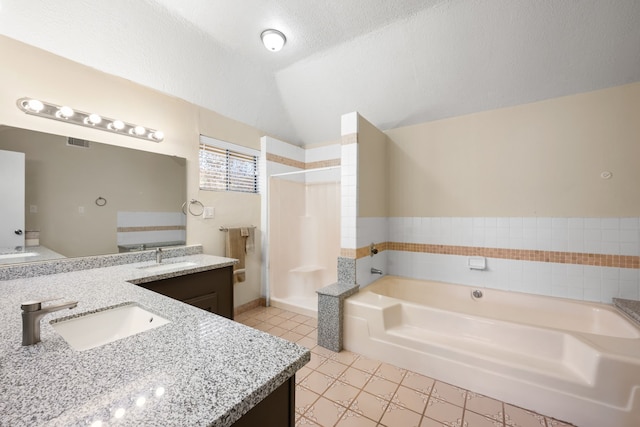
(36, 73)
(373, 171)
(539, 159)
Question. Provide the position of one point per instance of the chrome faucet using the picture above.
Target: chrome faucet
(159, 255)
(32, 312)
(376, 271)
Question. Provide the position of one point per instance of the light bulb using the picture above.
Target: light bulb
(157, 135)
(65, 112)
(273, 40)
(139, 130)
(93, 119)
(35, 105)
(116, 125)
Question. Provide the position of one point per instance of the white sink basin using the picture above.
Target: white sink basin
(18, 255)
(169, 266)
(102, 327)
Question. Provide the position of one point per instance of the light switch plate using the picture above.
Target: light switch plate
(209, 212)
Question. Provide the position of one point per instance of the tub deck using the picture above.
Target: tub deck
(575, 361)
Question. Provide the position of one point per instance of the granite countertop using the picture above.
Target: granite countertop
(200, 369)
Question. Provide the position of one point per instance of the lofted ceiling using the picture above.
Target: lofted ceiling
(397, 62)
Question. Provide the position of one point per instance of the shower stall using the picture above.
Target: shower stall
(304, 237)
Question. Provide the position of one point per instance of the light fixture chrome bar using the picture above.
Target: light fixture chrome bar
(69, 115)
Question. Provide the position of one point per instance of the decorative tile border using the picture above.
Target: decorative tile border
(302, 165)
(349, 139)
(600, 260)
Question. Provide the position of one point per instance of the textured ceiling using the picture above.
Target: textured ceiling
(397, 62)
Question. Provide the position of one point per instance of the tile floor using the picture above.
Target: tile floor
(348, 390)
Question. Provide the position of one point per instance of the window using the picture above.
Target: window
(227, 167)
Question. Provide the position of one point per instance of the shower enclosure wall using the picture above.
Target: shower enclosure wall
(304, 237)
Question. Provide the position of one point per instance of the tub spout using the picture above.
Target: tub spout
(376, 271)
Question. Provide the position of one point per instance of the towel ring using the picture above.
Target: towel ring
(101, 201)
(192, 202)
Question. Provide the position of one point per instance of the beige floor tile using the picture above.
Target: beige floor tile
(555, 423)
(274, 310)
(302, 421)
(442, 411)
(428, 422)
(367, 365)
(471, 419)
(263, 316)
(277, 331)
(288, 324)
(341, 393)
(325, 412)
(323, 351)
(391, 373)
(418, 382)
(355, 377)
(345, 357)
(484, 406)
(302, 373)
(304, 399)
(410, 399)
(449, 393)
(331, 368)
(276, 320)
(287, 314)
(316, 361)
(317, 382)
(398, 416)
(262, 326)
(301, 318)
(313, 334)
(381, 387)
(307, 342)
(312, 322)
(354, 419)
(519, 417)
(250, 321)
(369, 405)
(291, 336)
(302, 329)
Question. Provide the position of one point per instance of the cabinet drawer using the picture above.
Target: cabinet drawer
(206, 302)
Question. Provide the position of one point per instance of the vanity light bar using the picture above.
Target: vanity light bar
(67, 114)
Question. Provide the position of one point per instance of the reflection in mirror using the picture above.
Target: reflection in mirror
(82, 198)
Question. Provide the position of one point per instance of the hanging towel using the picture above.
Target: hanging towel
(236, 248)
(248, 232)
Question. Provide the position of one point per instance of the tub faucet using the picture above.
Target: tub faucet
(32, 312)
(159, 255)
(376, 271)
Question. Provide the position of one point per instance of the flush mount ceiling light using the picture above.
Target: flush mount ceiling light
(69, 115)
(273, 40)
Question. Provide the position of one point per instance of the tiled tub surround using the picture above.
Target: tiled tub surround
(576, 361)
(200, 369)
(592, 259)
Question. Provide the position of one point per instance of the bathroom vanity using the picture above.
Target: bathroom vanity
(210, 290)
(199, 369)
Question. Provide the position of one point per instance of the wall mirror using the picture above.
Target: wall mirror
(82, 198)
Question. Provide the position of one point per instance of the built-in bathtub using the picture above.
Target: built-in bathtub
(575, 361)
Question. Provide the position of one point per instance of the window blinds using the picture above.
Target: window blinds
(225, 169)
